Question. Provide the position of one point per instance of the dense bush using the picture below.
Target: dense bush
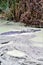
(29, 12)
(33, 12)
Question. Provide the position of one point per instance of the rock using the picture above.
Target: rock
(16, 53)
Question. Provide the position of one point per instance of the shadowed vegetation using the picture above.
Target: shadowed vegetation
(29, 12)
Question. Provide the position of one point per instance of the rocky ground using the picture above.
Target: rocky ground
(22, 46)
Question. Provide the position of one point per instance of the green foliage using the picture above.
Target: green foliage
(3, 4)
